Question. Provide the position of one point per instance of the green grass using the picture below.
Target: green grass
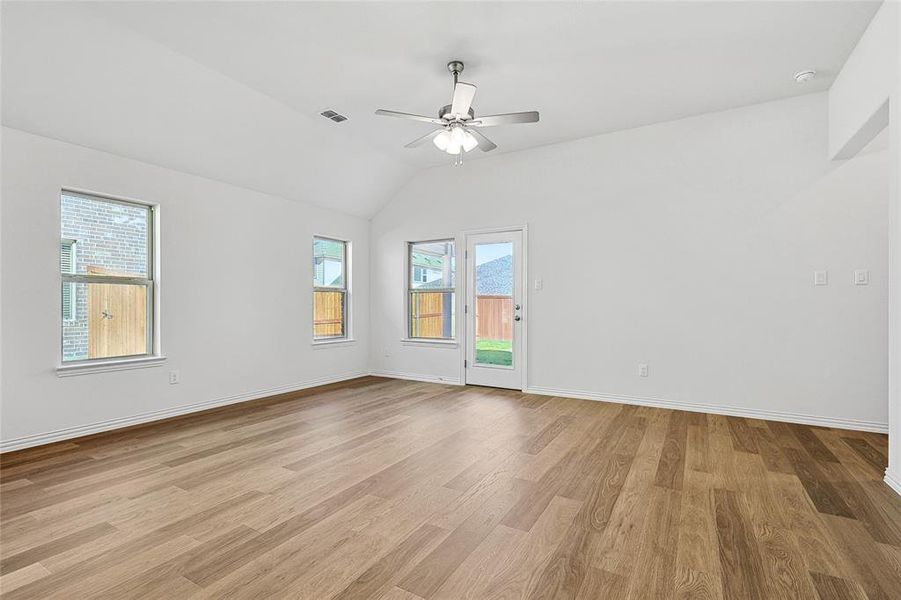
(494, 352)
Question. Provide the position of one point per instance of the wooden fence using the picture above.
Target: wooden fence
(328, 314)
(117, 320)
(494, 322)
(494, 318)
(427, 314)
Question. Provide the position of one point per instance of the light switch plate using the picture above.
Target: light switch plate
(821, 277)
(861, 277)
(642, 369)
(538, 284)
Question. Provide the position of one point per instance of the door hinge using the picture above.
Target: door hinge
(465, 364)
(465, 308)
(465, 254)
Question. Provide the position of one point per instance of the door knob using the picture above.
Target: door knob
(516, 307)
(517, 318)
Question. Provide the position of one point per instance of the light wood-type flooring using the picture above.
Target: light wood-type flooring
(401, 490)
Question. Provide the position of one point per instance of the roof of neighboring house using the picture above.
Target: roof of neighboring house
(495, 277)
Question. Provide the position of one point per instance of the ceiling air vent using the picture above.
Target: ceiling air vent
(333, 116)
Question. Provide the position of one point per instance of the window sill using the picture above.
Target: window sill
(104, 366)
(429, 342)
(336, 342)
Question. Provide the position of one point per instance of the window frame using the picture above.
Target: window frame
(410, 290)
(148, 282)
(344, 290)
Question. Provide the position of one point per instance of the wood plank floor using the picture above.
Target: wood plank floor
(402, 490)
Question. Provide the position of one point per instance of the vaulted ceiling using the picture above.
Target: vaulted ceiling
(233, 90)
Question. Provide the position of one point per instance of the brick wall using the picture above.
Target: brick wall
(108, 235)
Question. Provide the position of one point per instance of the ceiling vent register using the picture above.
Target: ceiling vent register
(333, 116)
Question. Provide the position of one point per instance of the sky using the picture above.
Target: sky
(488, 252)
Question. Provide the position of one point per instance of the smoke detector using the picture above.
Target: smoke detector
(805, 76)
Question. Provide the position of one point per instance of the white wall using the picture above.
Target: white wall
(863, 100)
(235, 294)
(168, 109)
(858, 98)
(689, 245)
(893, 473)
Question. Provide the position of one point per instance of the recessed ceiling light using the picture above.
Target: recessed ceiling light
(805, 76)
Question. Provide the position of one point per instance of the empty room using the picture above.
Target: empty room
(450, 300)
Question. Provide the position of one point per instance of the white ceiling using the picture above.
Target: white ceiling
(232, 90)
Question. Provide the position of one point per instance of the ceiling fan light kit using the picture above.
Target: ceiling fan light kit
(458, 123)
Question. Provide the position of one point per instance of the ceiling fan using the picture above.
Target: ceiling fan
(458, 126)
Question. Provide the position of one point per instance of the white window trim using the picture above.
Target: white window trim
(434, 342)
(408, 289)
(104, 365)
(347, 338)
(154, 355)
(331, 342)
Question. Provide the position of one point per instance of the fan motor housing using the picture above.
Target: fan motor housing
(445, 110)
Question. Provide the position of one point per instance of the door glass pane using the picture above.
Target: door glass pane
(494, 304)
(104, 320)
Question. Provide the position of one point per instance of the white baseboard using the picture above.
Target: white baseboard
(417, 377)
(731, 411)
(40, 439)
(893, 481)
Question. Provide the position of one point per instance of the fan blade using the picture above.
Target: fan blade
(505, 119)
(463, 94)
(401, 115)
(422, 140)
(485, 145)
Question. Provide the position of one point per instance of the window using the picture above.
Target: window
(430, 293)
(107, 284)
(329, 288)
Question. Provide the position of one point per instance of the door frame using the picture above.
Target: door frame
(526, 293)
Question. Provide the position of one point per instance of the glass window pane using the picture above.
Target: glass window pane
(328, 314)
(432, 265)
(110, 238)
(432, 315)
(107, 320)
(494, 304)
(328, 263)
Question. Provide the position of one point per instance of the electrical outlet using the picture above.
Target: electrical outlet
(861, 277)
(387, 351)
(173, 377)
(642, 369)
